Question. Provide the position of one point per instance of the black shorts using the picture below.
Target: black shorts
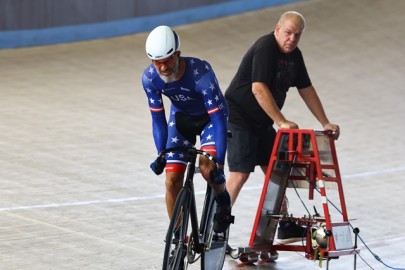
(249, 147)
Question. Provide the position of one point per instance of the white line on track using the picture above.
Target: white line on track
(153, 197)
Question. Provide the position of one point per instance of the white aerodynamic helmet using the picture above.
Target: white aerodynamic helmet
(162, 42)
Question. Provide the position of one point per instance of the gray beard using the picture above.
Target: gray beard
(171, 78)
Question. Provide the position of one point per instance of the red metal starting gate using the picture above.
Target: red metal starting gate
(301, 158)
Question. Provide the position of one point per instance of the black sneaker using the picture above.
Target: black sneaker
(289, 232)
(223, 218)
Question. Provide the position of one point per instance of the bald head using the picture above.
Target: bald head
(294, 17)
(288, 31)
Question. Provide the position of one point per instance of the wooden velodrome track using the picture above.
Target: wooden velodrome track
(75, 139)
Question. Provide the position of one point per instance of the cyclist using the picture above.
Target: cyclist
(198, 108)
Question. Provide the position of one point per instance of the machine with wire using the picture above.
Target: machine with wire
(306, 160)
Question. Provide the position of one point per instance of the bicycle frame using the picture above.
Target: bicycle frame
(199, 245)
(185, 211)
(189, 185)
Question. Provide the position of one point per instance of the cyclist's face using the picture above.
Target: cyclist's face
(168, 67)
(288, 35)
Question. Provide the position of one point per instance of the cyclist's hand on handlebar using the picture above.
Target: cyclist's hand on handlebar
(158, 165)
(218, 176)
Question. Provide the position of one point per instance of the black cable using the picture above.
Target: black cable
(299, 196)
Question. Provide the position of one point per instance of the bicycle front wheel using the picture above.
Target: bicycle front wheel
(176, 249)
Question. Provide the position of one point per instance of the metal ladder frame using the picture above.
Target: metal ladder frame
(298, 149)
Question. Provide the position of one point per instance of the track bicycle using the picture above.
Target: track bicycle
(185, 246)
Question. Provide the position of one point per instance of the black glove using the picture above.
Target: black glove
(218, 176)
(158, 165)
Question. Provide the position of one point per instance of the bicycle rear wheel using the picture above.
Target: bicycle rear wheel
(175, 248)
(215, 257)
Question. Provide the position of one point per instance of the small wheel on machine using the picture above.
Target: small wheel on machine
(250, 258)
(234, 254)
(266, 256)
(253, 257)
(243, 257)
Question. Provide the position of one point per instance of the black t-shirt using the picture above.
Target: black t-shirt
(264, 62)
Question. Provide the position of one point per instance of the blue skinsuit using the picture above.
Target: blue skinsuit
(196, 94)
